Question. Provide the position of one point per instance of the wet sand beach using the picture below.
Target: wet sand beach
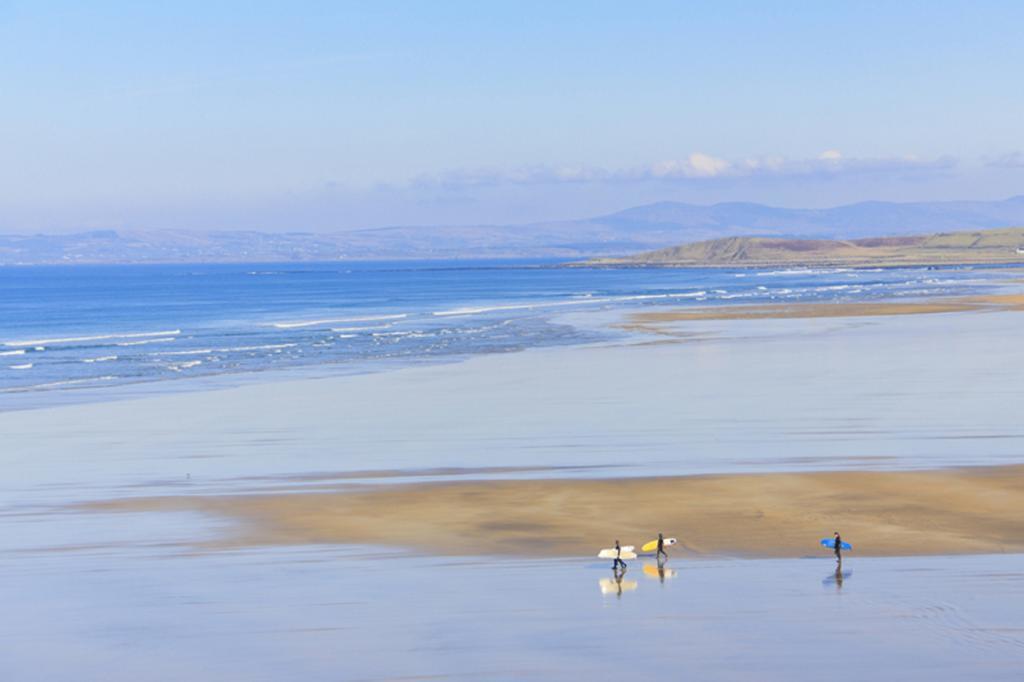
(328, 613)
(650, 321)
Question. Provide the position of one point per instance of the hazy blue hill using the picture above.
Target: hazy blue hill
(718, 215)
(869, 218)
(875, 218)
(642, 228)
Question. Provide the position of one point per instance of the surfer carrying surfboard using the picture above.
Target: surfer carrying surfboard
(618, 557)
(838, 546)
(661, 548)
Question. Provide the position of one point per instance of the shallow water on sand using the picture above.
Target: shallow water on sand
(318, 613)
(919, 391)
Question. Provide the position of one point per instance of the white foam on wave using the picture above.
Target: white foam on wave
(647, 297)
(362, 328)
(404, 335)
(953, 282)
(145, 342)
(55, 384)
(243, 349)
(13, 352)
(233, 349)
(202, 351)
(97, 337)
(105, 358)
(554, 304)
(316, 323)
(519, 306)
(25, 366)
(802, 271)
(185, 365)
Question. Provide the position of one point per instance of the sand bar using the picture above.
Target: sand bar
(949, 511)
(650, 321)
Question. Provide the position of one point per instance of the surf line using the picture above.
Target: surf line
(98, 337)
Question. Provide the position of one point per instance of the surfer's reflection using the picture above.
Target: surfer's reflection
(659, 571)
(619, 574)
(837, 577)
(617, 584)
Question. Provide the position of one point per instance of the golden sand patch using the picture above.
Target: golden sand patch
(654, 321)
(952, 511)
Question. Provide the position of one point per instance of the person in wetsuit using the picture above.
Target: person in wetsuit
(661, 548)
(838, 546)
(618, 557)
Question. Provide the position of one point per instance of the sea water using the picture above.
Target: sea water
(64, 328)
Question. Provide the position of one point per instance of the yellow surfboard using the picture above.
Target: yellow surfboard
(653, 544)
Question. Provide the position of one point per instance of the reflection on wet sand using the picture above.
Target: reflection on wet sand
(617, 584)
(328, 613)
(837, 577)
(659, 571)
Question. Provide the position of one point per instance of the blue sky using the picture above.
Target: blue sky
(333, 115)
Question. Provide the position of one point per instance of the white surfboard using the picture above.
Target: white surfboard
(611, 554)
(653, 544)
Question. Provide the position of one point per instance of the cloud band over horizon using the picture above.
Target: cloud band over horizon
(695, 166)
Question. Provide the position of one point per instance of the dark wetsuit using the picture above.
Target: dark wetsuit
(661, 548)
(838, 545)
(618, 558)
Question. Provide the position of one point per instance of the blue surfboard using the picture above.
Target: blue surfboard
(830, 543)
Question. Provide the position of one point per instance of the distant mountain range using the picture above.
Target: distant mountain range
(996, 246)
(643, 228)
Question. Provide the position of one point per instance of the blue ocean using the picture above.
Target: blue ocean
(67, 328)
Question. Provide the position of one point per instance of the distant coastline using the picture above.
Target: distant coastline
(979, 247)
(637, 230)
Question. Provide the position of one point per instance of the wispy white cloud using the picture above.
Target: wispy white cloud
(697, 166)
(1011, 160)
(524, 175)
